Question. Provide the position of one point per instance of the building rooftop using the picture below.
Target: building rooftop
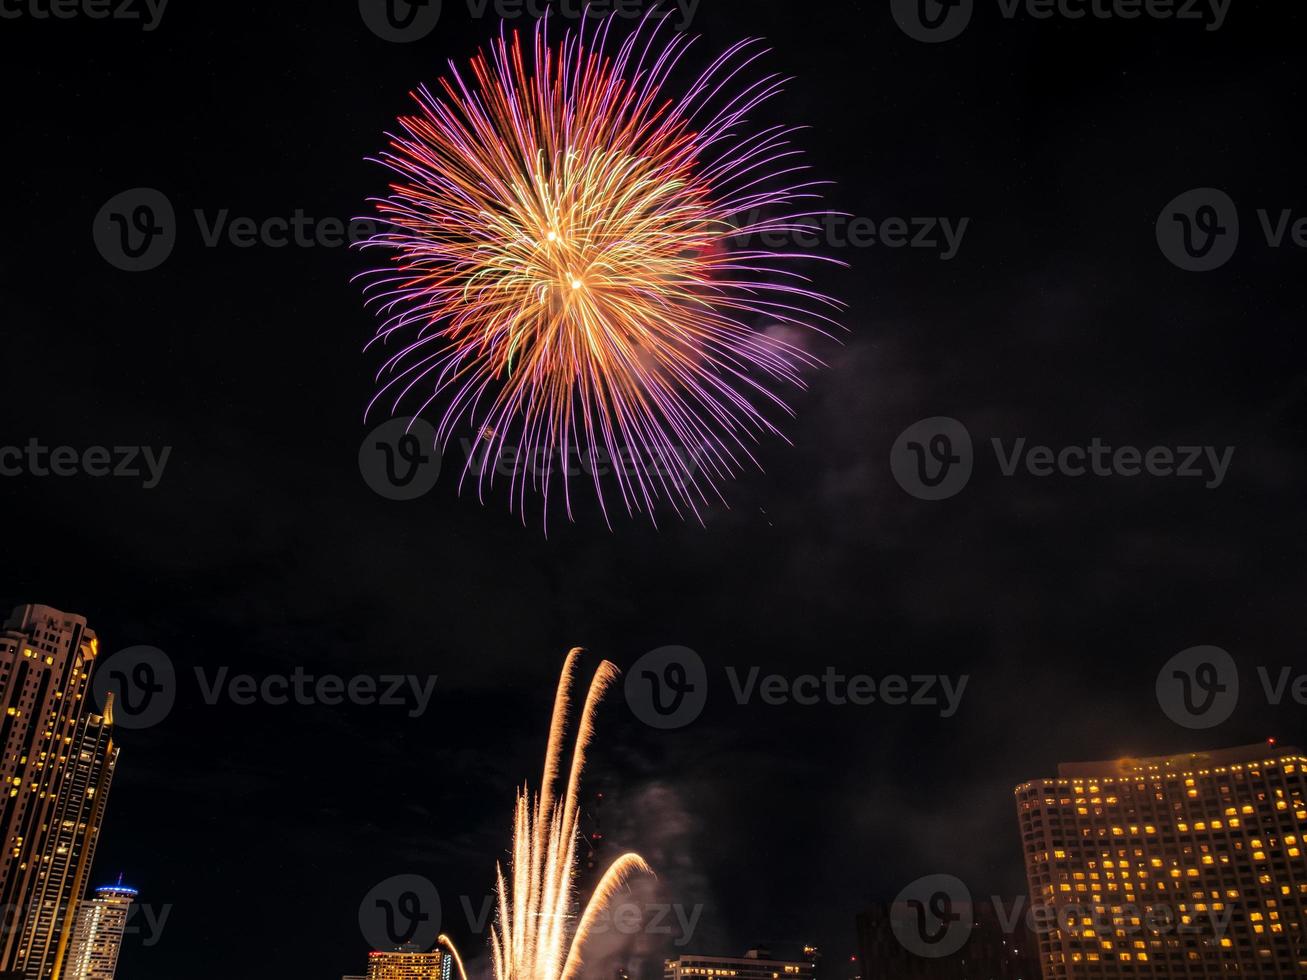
(117, 888)
(1184, 764)
(1177, 764)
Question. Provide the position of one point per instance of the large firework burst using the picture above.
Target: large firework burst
(575, 283)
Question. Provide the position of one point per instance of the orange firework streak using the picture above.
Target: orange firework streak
(566, 282)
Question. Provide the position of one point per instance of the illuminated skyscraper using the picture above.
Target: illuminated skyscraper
(98, 933)
(59, 757)
(1181, 866)
(756, 964)
(405, 965)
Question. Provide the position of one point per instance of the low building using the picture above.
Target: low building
(756, 964)
(409, 965)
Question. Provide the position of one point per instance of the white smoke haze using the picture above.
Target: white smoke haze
(673, 912)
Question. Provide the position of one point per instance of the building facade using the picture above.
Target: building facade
(58, 763)
(1179, 866)
(753, 965)
(405, 965)
(98, 933)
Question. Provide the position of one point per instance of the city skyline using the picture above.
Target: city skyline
(82, 940)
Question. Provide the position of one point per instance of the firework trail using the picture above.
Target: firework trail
(572, 272)
(532, 939)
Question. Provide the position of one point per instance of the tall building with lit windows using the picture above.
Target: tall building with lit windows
(58, 763)
(407, 965)
(98, 933)
(753, 965)
(1179, 866)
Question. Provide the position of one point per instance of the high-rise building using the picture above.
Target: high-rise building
(409, 965)
(1179, 866)
(756, 964)
(98, 933)
(58, 763)
(999, 946)
(67, 847)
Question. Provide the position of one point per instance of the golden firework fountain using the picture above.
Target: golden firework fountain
(535, 937)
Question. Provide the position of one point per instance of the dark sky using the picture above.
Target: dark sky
(1059, 320)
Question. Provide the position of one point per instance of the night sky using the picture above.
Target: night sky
(1058, 320)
